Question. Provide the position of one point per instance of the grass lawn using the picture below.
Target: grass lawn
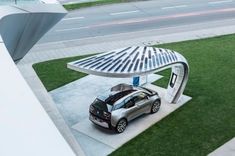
(200, 126)
(55, 73)
(94, 3)
(208, 120)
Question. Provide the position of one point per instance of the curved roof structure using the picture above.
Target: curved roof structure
(127, 62)
(136, 61)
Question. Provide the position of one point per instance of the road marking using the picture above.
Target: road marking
(128, 33)
(173, 7)
(219, 2)
(131, 21)
(79, 28)
(125, 12)
(72, 18)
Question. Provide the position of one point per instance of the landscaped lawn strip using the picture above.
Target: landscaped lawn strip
(93, 3)
(55, 73)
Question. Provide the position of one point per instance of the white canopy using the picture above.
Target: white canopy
(136, 61)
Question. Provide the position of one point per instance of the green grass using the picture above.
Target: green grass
(208, 120)
(55, 73)
(200, 126)
(164, 81)
(94, 3)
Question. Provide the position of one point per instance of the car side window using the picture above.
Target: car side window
(118, 106)
(139, 97)
(129, 103)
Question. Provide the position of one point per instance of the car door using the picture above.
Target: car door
(141, 102)
(130, 108)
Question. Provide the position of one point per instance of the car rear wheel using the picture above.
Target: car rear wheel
(121, 125)
(156, 106)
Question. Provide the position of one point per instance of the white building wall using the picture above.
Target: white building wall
(25, 127)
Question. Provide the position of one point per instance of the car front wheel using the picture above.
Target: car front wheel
(121, 125)
(155, 107)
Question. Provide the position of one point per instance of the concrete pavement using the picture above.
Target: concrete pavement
(49, 106)
(73, 102)
(228, 149)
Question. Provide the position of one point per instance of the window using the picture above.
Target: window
(139, 97)
(173, 79)
(118, 106)
(129, 102)
(113, 98)
(101, 105)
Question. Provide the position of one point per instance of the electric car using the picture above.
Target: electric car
(122, 104)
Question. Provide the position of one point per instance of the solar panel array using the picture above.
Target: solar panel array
(130, 61)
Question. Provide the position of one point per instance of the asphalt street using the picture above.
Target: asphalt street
(138, 16)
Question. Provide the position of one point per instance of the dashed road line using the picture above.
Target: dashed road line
(125, 12)
(220, 2)
(79, 28)
(72, 18)
(173, 7)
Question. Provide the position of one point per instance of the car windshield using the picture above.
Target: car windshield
(101, 105)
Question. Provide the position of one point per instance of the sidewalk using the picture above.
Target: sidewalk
(75, 1)
(43, 52)
(228, 149)
(49, 106)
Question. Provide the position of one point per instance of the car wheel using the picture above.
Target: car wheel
(156, 106)
(121, 125)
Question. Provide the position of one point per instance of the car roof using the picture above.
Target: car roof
(112, 97)
(119, 92)
(138, 90)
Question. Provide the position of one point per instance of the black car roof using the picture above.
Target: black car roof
(115, 97)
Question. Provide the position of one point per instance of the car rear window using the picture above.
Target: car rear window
(101, 105)
(113, 98)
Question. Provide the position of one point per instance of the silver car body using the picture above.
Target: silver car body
(136, 102)
(140, 107)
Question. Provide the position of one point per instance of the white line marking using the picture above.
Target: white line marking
(79, 28)
(128, 33)
(149, 19)
(72, 18)
(125, 12)
(173, 7)
(219, 2)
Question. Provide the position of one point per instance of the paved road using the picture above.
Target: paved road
(138, 16)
